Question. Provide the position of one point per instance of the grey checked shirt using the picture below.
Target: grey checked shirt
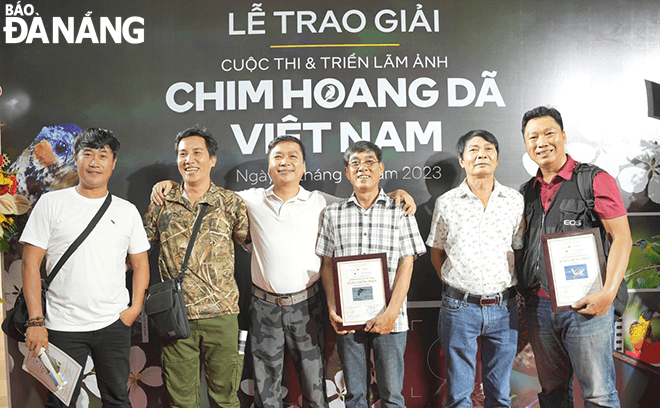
(347, 229)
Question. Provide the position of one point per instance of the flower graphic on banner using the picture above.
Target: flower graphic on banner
(13, 283)
(89, 385)
(336, 390)
(150, 376)
(645, 173)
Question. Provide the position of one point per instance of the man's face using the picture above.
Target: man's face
(364, 171)
(95, 167)
(194, 161)
(545, 141)
(479, 158)
(286, 164)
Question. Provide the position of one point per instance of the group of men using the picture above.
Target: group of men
(481, 233)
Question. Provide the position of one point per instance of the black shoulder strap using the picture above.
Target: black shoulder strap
(585, 174)
(79, 240)
(193, 235)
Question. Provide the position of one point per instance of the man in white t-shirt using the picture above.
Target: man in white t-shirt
(87, 303)
(286, 305)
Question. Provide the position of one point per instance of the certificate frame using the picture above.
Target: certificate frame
(575, 264)
(362, 288)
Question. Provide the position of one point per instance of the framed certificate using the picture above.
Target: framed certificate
(575, 264)
(362, 288)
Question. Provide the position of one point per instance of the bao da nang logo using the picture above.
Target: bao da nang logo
(23, 24)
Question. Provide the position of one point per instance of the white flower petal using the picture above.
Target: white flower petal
(633, 179)
(83, 400)
(92, 385)
(581, 152)
(330, 388)
(89, 365)
(530, 165)
(654, 189)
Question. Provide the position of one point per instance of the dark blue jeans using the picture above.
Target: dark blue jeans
(110, 348)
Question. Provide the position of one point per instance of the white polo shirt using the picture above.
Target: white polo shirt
(284, 238)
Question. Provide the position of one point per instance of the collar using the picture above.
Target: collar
(464, 190)
(211, 196)
(382, 198)
(303, 195)
(566, 172)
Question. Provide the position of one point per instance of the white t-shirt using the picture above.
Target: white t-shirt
(89, 291)
(284, 238)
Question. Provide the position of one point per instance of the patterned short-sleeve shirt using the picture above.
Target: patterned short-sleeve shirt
(479, 242)
(209, 287)
(348, 229)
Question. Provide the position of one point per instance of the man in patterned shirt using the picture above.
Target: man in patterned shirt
(475, 229)
(369, 222)
(209, 288)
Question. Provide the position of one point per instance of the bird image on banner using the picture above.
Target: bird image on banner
(47, 163)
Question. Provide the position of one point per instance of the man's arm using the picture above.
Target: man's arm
(600, 302)
(438, 257)
(160, 190)
(140, 263)
(384, 322)
(329, 287)
(35, 337)
(401, 197)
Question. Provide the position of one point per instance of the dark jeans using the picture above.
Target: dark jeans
(110, 348)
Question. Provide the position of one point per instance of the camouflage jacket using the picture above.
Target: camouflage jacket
(209, 286)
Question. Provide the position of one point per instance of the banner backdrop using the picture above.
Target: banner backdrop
(411, 76)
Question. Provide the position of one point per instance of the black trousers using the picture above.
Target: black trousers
(110, 348)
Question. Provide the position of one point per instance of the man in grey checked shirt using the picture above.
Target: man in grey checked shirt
(369, 222)
(475, 229)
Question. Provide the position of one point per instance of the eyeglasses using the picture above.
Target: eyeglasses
(369, 163)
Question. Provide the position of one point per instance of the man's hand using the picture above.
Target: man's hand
(381, 324)
(36, 337)
(596, 304)
(160, 190)
(335, 320)
(129, 315)
(401, 197)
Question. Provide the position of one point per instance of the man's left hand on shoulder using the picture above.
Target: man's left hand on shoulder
(596, 304)
(402, 198)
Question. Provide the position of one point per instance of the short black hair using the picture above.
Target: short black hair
(95, 138)
(286, 138)
(362, 146)
(204, 133)
(486, 135)
(540, 112)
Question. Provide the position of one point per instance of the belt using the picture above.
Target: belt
(288, 299)
(482, 300)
